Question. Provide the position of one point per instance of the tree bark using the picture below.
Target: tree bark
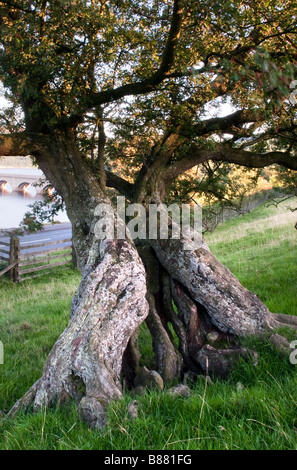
(85, 364)
(231, 308)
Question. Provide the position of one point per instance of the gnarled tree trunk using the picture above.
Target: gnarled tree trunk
(85, 364)
(191, 303)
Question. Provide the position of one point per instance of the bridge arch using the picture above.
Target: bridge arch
(5, 187)
(48, 189)
(26, 188)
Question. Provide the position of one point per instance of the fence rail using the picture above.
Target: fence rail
(24, 260)
(4, 243)
(8, 268)
(5, 256)
(4, 253)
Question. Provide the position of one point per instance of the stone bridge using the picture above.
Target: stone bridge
(22, 180)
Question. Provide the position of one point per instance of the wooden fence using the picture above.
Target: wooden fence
(6, 256)
(27, 262)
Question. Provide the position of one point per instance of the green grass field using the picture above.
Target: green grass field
(256, 408)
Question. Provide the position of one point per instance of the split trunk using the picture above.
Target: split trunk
(195, 309)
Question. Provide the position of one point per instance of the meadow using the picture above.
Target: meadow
(254, 409)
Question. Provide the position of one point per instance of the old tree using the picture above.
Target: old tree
(113, 97)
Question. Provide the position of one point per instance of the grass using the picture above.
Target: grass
(254, 409)
(260, 249)
(33, 314)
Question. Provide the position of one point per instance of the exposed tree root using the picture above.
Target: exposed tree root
(210, 310)
(280, 320)
(195, 309)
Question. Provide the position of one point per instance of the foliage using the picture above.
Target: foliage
(135, 81)
(42, 211)
(108, 67)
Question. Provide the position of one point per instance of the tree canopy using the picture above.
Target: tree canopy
(139, 83)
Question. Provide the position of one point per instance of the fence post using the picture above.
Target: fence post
(17, 276)
(11, 258)
(14, 257)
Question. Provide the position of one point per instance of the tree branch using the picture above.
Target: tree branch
(120, 184)
(101, 147)
(171, 45)
(257, 160)
(149, 84)
(226, 123)
(225, 153)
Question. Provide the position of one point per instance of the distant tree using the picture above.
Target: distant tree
(116, 97)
